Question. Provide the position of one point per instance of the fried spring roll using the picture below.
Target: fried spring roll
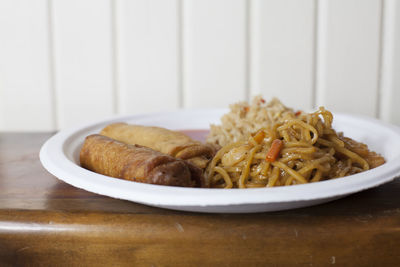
(173, 143)
(106, 156)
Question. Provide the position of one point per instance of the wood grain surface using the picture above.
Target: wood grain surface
(45, 222)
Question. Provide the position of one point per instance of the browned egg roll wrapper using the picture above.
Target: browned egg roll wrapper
(173, 143)
(110, 157)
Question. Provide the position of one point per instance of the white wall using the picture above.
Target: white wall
(65, 62)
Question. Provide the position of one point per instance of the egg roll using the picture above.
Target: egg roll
(173, 143)
(137, 163)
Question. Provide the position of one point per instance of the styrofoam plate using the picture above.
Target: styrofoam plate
(60, 156)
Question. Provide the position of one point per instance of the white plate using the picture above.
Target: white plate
(60, 156)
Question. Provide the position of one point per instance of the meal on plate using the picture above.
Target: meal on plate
(262, 144)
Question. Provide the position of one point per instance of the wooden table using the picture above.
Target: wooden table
(46, 222)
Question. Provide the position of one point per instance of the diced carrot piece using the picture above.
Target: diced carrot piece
(274, 150)
(297, 113)
(259, 137)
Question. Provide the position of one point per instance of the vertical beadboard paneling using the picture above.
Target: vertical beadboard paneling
(282, 62)
(348, 55)
(148, 58)
(390, 75)
(25, 93)
(214, 44)
(83, 60)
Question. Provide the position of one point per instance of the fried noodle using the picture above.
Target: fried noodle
(311, 151)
